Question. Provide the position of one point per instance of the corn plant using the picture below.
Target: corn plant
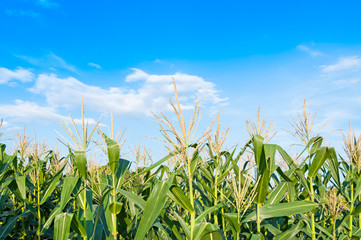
(200, 189)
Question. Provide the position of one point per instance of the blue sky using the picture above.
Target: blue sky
(230, 56)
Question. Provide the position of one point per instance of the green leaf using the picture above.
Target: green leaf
(113, 150)
(20, 181)
(262, 187)
(133, 197)
(357, 210)
(15, 189)
(291, 164)
(282, 209)
(208, 211)
(290, 233)
(258, 148)
(123, 165)
(194, 163)
(89, 213)
(69, 184)
(100, 215)
(77, 227)
(4, 171)
(283, 175)
(51, 186)
(265, 167)
(317, 142)
(153, 206)
(301, 175)
(277, 194)
(275, 231)
(232, 219)
(177, 195)
(269, 153)
(321, 155)
(183, 225)
(81, 162)
(204, 231)
(2, 151)
(115, 207)
(357, 190)
(62, 226)
(307, 220)
(50, 219)
(334, 166)
(166, 158)
(213, 235)
(9, 226)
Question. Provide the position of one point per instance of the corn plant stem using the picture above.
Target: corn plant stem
(23, 222)
(215, 195)
(351, 209)
(333, 229)
(359, 215)
(38, 202)
(24, 207)
(193, 219)
(223, 222)
(190, 182)
(258, 218)
(114, 217)
(313, 229)
(85, 204)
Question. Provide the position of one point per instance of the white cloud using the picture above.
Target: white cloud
(49, 61)
(22, 13)
(346, 82)
(19, 74)
(152, 96)
(343, 63)
(3, 123)
(94, 65)
(25, 111)
(28, 110)
(157, 61)
(48, 3)
(193, 88)
(308, 50)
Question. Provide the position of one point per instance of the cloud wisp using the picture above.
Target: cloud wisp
(310, 51)
(94, 65)
(351, 63)
(48, 4)
(22, 13)
(49, 61)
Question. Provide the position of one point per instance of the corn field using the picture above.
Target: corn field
(199, 190)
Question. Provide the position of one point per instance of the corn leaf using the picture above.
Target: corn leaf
(62, 226)
(113, 150)
(154, 205)
(81, 163)
(282, 209)
(51, 186)
(68, 187)
(20, 181)
(176, 193)
(321, 155)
